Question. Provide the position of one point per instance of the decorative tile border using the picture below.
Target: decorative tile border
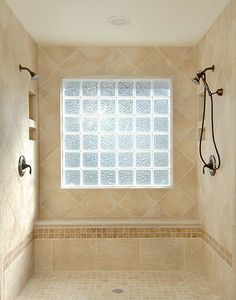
(15, 252)
(77, 232)
(218, 248)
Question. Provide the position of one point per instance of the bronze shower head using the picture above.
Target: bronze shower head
(196, 80)
(33, 75)
(201, 74)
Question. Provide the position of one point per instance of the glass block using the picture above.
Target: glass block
(161, 142)
(72, 177)
(126, 106)
(90, 159)
(71, 124)
(161, 159)
(143, 159)
(71, 106)
(108, 159)
(161, 124)
(161, 177)
(125, 142)
(71, 88)
(108, 177)
(72, 142)
(90, 106)
(90, 177)
(143, 106)
(107, 88)
(161, 106)
(107, 124)
(90, 142)
(72, 160)
(125, 177)
(125, 124)
(90, 125)
(143, 177)
(143, 88)
(90, 88)
(108, 142)
(125, 159)
(143, 142)
(143, 124)
(125, 88)
(161, 88)
(108, 107)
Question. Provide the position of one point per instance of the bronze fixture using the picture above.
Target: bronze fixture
(22, 166)
(33, 75)
(212, 165)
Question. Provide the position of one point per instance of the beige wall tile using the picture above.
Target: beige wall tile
(216, 195)
(137, 203)
(193, 254)
(59, 203)
(19, 272)
(42, 256)
(117, 254)
(58, 54)
(176, 55)
(20, 206)
(121, 61)
(219, 273)
(98, 203)
(73, 255)
(176, 202)
(162, 254)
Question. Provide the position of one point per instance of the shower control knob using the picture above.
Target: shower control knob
(220, 92)
(22, 166)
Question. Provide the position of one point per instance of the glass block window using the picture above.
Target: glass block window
(116, 133)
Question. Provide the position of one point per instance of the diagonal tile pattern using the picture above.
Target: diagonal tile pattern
(176, 63)
(20, 194)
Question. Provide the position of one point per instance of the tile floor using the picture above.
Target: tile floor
(136, 286)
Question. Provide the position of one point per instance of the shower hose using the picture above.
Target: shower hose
(208, 165)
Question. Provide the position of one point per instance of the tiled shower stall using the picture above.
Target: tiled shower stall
(124, 236)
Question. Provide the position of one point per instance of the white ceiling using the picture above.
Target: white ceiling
(84, 22)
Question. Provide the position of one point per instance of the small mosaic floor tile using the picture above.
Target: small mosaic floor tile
(119, 286)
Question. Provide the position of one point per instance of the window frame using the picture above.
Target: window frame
(170, 151)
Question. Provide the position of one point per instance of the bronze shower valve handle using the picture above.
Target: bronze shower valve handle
(22, 166)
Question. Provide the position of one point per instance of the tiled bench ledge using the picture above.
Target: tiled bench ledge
(117, 222)
(151, 244)
(74, 229)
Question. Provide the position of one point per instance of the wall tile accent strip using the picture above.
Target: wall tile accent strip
(218, 248)
(75, 232)
(15, 252)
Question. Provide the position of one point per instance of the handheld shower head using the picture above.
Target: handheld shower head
(196, 80)
(33, 75)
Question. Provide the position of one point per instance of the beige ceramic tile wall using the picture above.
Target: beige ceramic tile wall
(216, 195)
(134, 254)
(176, 63)
(18, 195)
(233, 93)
